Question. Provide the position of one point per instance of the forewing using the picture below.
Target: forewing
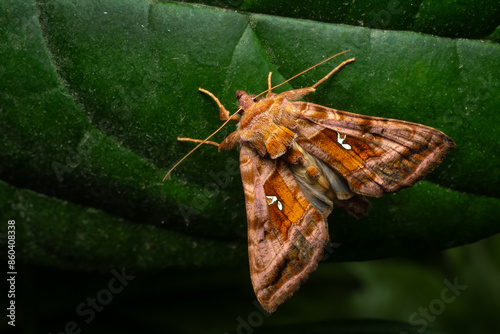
(375, 155)
(286, 234)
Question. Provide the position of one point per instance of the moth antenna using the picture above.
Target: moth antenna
(310, 68)
(201, 142)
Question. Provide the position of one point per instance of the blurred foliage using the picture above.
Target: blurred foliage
(93, 95)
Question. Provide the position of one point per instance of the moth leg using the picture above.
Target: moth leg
(289, 95)
(296, 94)
(333, 71)
(223, 113)
(230, 141)
(269, 86)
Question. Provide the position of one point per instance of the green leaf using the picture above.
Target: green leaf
(55, 232)
(115, 83)
(93, 95)
(474, 19)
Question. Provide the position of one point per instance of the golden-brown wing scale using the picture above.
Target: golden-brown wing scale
(375, 155)
(286, 234)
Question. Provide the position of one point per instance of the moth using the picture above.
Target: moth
(299, 160)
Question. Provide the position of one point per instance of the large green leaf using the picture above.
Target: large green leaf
(442, 18)
(93, 95)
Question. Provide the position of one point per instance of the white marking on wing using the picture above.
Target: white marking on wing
(341, 141)
(272, 199)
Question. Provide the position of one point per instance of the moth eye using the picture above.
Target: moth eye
(313, 172)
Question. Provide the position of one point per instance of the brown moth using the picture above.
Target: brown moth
(299, 160)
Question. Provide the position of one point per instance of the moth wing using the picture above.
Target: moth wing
(286, 234)
(375, 155)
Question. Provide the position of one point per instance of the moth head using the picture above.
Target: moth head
(245, 101)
